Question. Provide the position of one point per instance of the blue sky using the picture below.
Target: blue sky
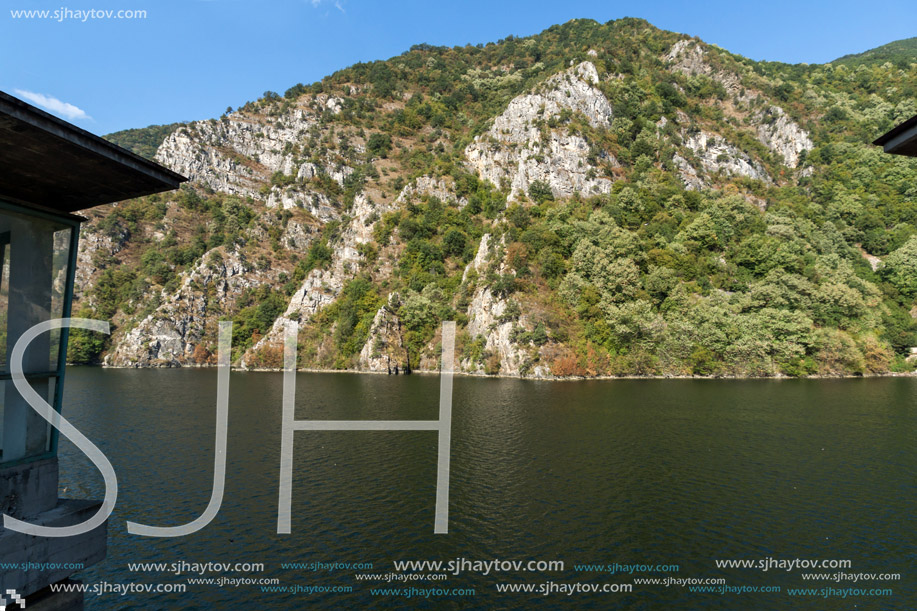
(190, 59)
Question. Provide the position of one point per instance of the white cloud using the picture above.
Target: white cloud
(68, 111)
(337, 4)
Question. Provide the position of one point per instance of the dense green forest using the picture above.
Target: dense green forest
(741, 277)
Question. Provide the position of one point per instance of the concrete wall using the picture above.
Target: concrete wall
(86, 549)
(46, 600)
(31, 265)
(28, 489)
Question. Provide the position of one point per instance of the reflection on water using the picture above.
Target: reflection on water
(629, 471)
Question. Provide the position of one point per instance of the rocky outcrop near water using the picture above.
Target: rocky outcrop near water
(322, 286)
(355, 205)
(384, 349)
(181, 331)
(495, 320)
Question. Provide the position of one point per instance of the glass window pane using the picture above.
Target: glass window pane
(2, 403)
(37, 440)
(59, 271)
(4, 295)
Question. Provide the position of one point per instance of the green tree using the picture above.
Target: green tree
(379, 145)
(901, 268)
(540, 191)
(85, 347)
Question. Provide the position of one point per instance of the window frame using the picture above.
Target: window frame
(72, 222)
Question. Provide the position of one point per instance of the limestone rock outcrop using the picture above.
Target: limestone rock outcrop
(322, 286)
(773, 127)
(238, 153)
(521, 147)
(186, 318)
(715, 155)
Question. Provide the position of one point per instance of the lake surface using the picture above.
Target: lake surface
(595, 472)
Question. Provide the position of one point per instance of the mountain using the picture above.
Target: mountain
(902, 53)
(143, 141)
(597, 199)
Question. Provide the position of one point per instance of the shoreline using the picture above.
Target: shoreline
(429, 372)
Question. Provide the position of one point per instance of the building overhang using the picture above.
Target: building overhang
(49, 163)
(900, 140)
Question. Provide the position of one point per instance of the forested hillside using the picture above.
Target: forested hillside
(597, 199)
(143, 141)
(899, 52)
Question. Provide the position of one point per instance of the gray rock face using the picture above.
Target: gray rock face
(322, 286)
(384, 348)
(481, 257)
(319, 289)
(219, 170)
(773, 127)
(297, 237)
(486, 312)
(689, 57)
(520, 149)
(688, 174)
(782, 135)
(92, 242)
(717, 155)
(439, 188)
(317, 204)
(169, 336)
(488, 316)
(239, 153)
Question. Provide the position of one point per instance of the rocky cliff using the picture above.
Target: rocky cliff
(181, 330)
(522, 146)
(773, 127)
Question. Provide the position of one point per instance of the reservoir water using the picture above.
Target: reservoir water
(633, 472)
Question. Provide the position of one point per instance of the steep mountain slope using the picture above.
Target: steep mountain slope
(593, 200)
